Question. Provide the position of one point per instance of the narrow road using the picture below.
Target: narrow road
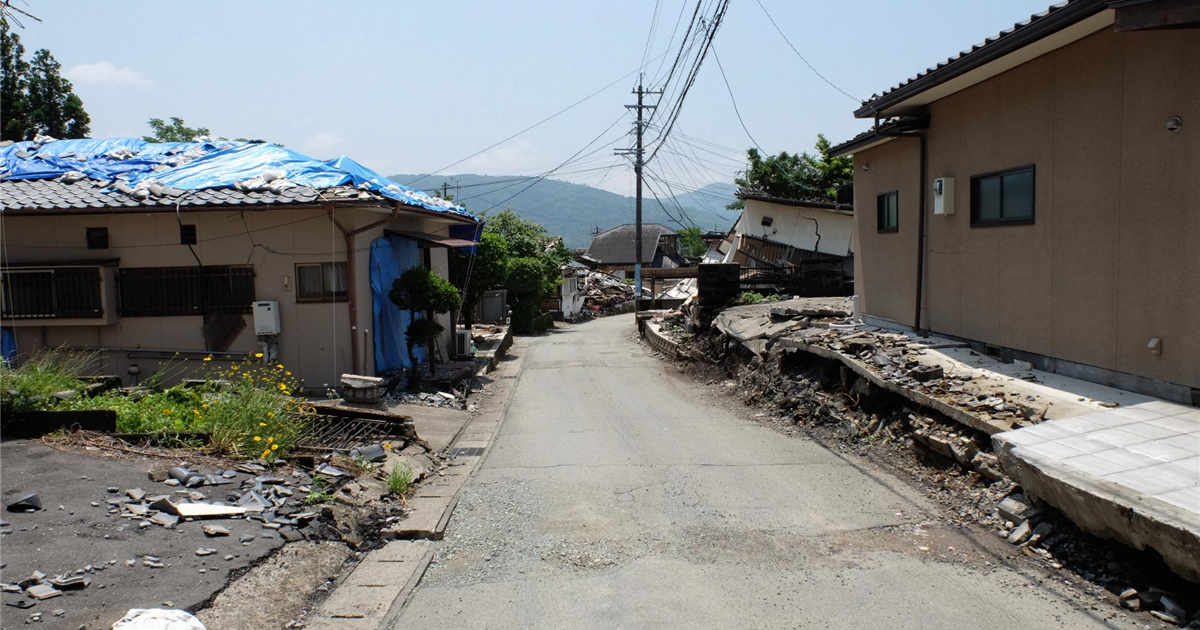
(620, 494)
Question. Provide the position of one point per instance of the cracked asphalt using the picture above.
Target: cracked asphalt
(620, 494)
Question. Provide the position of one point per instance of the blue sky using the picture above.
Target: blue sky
(415, 86)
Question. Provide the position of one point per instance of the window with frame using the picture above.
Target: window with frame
(58, 293)
(1003, 197)
(321, 282)
(169, 291)
(887, 208)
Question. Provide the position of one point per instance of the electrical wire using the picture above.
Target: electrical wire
(540, 122)
(810, 66)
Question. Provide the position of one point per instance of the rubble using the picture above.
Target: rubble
(604, 294)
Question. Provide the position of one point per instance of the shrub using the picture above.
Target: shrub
(750, 297)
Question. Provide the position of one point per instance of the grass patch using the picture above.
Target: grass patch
(246, 409)
(29, 387)
(399, 480)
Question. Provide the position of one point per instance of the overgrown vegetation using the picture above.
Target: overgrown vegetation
(247, 409)
(797, 176)
(321, 492)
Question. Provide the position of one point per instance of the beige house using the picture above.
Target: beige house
(809, 226)
(159, 283)
(1039, 196)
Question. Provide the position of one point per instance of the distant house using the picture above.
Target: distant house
(152, 254)
(615, 252)
(570, 290)
(773, 231)
(1037, 195)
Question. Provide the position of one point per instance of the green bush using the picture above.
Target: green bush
(523, 313)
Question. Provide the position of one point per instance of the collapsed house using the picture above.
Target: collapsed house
(615, 252)
(154, 252)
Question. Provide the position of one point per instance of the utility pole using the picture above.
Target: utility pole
(445, 190)
(638, 152)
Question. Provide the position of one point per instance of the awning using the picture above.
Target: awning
(433, 240)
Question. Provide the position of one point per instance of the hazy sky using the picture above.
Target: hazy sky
(415, 86)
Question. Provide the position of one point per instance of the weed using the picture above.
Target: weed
(29, 387)
(318, 496)
(399, 480)
(750, 297)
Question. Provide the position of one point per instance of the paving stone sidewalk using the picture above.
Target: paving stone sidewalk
(1130, 473)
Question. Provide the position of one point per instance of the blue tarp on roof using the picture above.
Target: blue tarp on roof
(199, 165)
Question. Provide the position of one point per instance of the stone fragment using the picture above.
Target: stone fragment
(215, 530)
(205, 552)
(1020, 533)
(28, 503)
(1173, 609)
(135, 494)
(1016, 508)
(42, 591)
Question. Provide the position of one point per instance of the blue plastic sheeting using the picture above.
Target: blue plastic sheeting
(217, 164)
(391, 256)
(8, 345)
(468, 233)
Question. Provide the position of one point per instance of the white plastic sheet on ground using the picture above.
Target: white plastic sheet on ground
(158, 619)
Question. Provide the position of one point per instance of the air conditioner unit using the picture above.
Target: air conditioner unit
(943, 195)
(462, 343)
(266, 318)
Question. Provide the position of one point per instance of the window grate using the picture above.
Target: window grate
(60, 293)
(172, 291)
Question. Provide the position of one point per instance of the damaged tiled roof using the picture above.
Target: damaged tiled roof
(50, 194)
(1039, 25)
(47, 174)
(617, 246)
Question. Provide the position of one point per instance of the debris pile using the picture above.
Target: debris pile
(603, 292)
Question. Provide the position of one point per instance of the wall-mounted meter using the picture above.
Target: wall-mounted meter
(943, 195)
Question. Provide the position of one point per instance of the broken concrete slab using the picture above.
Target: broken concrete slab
(42, 591)
(29, 503)
(215, 530)
(1118, 475)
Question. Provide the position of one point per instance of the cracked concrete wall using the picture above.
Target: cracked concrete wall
(1113, 258)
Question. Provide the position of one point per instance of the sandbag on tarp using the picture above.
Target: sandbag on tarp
(99, 159)
(391, 256)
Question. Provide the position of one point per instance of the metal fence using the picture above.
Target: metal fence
(60, 293)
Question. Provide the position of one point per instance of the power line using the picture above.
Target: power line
(810, 66)
(540, 122)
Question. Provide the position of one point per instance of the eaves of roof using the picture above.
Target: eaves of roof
(878, 135)
(1038, 26)
(840, 208)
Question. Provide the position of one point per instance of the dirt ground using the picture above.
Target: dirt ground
(71, 534)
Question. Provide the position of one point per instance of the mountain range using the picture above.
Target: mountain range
(577, 211)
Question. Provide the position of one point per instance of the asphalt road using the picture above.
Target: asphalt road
(621, 494)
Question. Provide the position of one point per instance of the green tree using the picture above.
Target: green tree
(174, 131)
(524, 238)
(797, 176)
(487, 270)
(34, 96)
(419, 290)
(526, 287)
(693, 241)
(14, 118)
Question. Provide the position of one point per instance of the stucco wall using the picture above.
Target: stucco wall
(1113, 258)
(316, 338)
(798, 226)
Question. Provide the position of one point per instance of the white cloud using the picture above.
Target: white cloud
(322, 142)
(104, 73)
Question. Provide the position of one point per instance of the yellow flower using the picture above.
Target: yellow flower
(387, 445)
(166, 412)
(257, 355)
(262, 424)
(270, 439)
(264, 454)
(196, 411)
(233, 367)
(274, 446)
(279, 365)
(208, 358)
(258, 438)
(288, 373)
(270, 414)
(282, 386)
(204, 406)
